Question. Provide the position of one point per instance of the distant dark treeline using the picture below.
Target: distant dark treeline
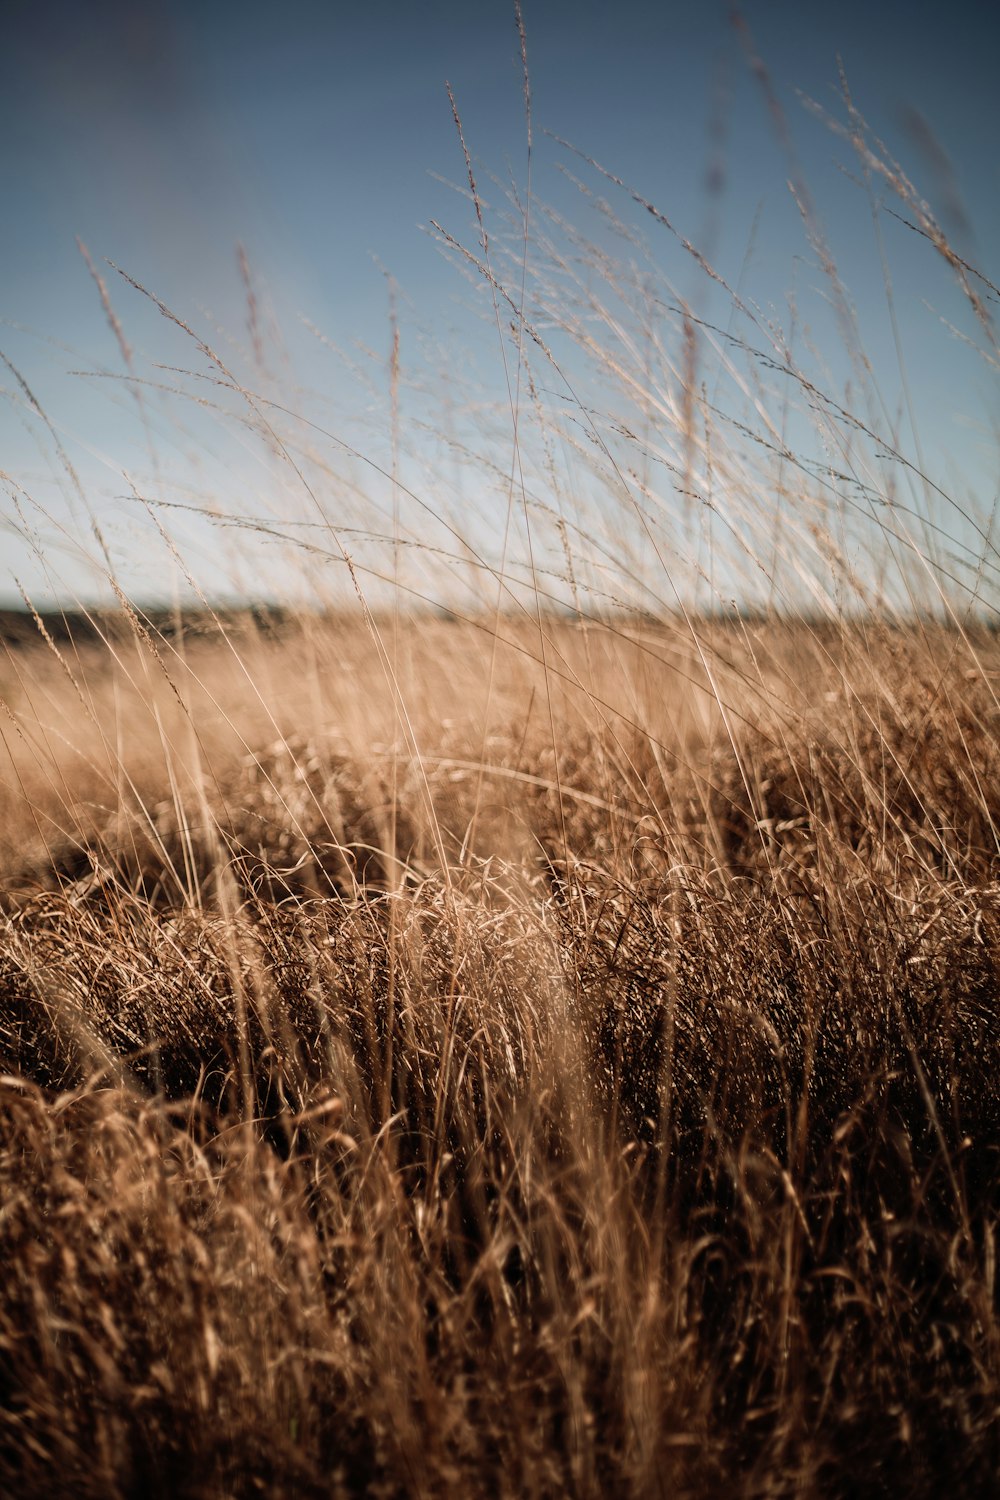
(20, 628)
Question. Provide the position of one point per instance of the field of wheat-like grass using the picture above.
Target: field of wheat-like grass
(509, 1005)
(584, 1084)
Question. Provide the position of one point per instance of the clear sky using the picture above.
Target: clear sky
(319, 137)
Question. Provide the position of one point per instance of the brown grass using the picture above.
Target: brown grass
(544, 1043)
(619, 1117)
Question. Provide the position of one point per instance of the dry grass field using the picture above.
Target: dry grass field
(515, 1023)
(580, 1082)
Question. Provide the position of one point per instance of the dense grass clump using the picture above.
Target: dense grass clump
(584, 1104)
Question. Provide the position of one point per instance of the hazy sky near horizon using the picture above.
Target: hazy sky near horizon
(320, 138)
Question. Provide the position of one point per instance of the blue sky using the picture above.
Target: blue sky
(317, 137)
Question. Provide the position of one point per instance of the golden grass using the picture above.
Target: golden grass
(589, 1091)
(532, 1032)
